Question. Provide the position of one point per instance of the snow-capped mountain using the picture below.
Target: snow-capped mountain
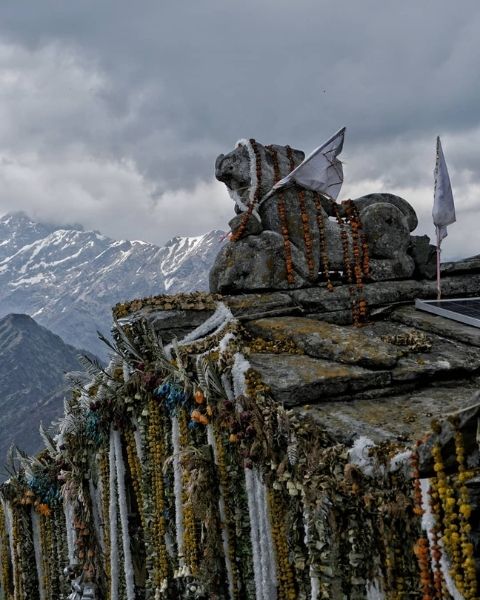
(68, 279)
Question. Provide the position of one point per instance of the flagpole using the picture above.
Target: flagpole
(439, 241)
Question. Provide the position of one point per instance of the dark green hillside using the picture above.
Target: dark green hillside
(33, 362)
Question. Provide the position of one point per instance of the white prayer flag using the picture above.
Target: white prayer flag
(321, 171)
(443, 206)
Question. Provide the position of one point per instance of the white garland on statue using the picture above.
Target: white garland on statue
(177, 489)
(252, 159)
(37, 548)
(428, 524)
(122, 503)
(114, 575)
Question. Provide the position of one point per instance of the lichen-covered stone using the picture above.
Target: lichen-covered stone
(325, 340)
(256, 262)
(409, 315)
(424, 256)
(295, 379)
(405, 208)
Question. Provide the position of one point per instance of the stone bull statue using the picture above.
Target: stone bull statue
(287, 240)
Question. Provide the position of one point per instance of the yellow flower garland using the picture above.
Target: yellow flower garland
(156, 449)
(136, 473)
(190, 538)
(104, 471)
(285, 574)
(469, 584)
(4, 555)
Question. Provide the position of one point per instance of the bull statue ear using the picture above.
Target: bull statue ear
(299, 155)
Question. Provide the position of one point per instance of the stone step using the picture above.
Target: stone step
(454, 330)
(297, 379)
(328, 341)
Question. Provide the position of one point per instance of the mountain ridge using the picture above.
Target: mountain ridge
(33, 363)
(68, 278)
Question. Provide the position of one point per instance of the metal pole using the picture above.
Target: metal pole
(439, 289)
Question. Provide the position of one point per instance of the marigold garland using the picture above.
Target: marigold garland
(307, 235)
(421, 548)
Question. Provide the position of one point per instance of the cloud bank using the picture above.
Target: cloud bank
(112, 113)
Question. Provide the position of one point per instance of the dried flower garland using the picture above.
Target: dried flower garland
(300, 518)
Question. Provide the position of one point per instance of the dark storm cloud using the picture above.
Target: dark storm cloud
(150, 92)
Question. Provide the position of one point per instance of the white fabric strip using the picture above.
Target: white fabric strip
(37, 547)
(113, 522)
(177, 488)
(122, 502)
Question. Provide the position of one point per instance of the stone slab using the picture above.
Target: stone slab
(299, 379)
(431, 323)
(249, 304)
(446, 358)
(328, 341)
(170, 324)
(318, 300)
(403, 417)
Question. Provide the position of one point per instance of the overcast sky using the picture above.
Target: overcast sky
(112, 112)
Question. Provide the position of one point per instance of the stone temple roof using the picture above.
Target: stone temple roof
(387, 380)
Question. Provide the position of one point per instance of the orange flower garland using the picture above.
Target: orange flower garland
(421, 548)
(323, 242)
(307, 235)
(282, 214)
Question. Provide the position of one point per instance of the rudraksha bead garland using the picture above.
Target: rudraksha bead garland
(282, 214)
(361, 261)
(246, 217)
(345, 246)
(323, 242)
(307, 234)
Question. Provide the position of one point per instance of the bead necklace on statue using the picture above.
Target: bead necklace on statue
(282, 214)
(324, 262)
(307, 235)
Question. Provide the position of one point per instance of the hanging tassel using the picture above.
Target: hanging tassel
(122, 502)
(114, 575)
